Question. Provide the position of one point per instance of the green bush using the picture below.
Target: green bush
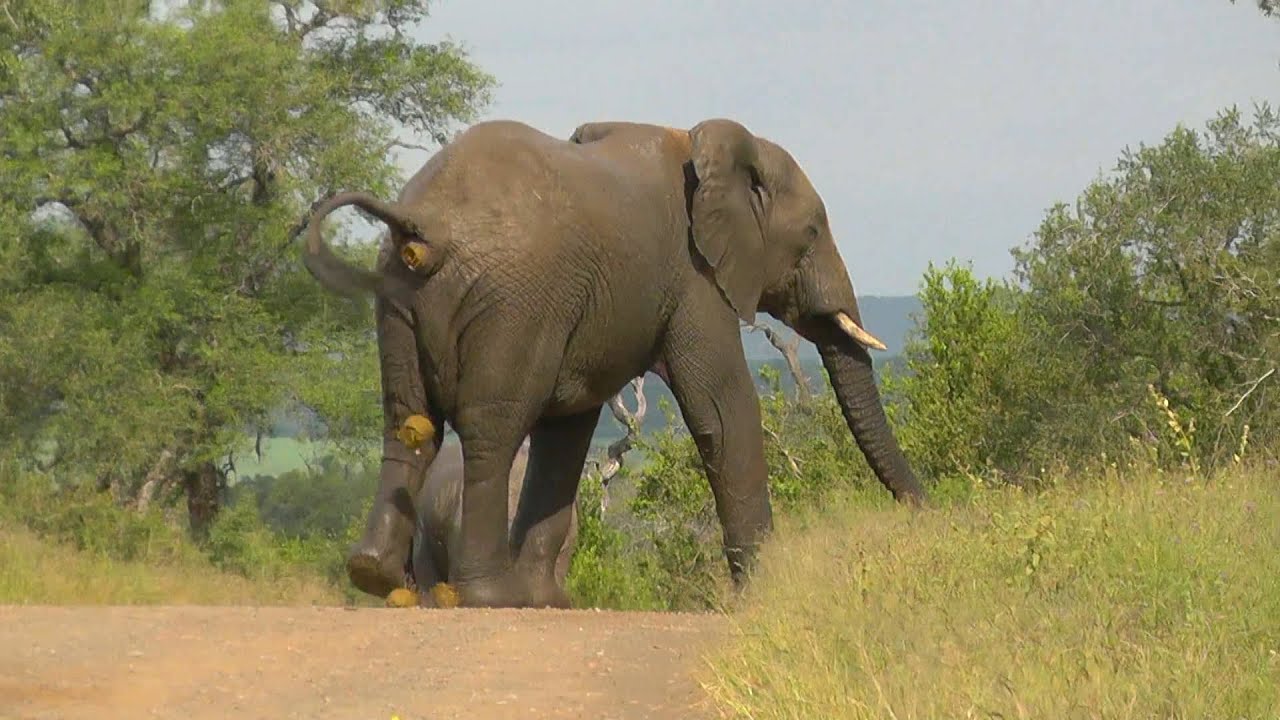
(239, 541)
(664, 550)
(90, 520)
(605, 572)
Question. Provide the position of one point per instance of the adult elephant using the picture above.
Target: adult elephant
(544, 274)
(439, 513)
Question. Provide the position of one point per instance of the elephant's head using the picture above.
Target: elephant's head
(761, 226)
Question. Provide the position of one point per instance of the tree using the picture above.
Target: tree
(1145, 316)
(1168, 275)
(157, 164)
(1270, 8)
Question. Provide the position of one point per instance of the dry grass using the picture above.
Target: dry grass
(39, 572)
(1138, 597)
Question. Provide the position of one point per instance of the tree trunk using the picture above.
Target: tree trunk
(158, 477)
(203, 486)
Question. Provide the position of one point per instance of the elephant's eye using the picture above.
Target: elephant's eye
(812, 231)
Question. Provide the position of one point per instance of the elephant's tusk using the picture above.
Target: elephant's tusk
(862, 337)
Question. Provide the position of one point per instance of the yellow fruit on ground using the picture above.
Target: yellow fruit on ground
(445, 595)
(402, 598)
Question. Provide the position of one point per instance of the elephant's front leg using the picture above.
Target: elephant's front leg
(558, 448)
(712, 386)
(378, 562)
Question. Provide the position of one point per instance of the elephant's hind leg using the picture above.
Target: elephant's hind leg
(557, 450)
(376, 564)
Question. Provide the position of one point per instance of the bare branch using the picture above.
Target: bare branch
(632, 422)
(1249, 392)
(791, 460)
(405, 145)
(791, 353)
(5, 6)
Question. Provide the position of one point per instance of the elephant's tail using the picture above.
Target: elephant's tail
(340, 276)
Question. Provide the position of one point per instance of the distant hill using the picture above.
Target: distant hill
(889, 318)
(656, 393)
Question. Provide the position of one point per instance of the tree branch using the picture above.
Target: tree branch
(791, 353)
(405, 145)
(632, 422)
(1249, 392)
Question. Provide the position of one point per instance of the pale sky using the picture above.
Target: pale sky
(931, 129)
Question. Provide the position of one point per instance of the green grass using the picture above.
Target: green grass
(35, 571)
(1135, 597)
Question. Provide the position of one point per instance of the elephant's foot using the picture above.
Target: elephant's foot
(373, 572)
(547, 594)
(501, 591)
(512, 589)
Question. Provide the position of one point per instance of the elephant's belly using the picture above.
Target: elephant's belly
(578, 397)
(578, 392)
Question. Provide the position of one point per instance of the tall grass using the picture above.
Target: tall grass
(35, 571)
(1146, 596)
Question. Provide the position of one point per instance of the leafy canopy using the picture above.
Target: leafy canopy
(157, 164)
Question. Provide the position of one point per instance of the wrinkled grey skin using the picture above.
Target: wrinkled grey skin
(554, 272)
(439, 511)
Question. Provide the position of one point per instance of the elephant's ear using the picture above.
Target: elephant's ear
(727, 215)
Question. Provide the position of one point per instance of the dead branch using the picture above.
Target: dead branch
(791, 353)
(791, 460)
(404, 145)
(631, 421)
(1249, 392)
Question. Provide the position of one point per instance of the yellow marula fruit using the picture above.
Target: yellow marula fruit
(445, 595)
(402, 598)
(414, 254)
(416, 430)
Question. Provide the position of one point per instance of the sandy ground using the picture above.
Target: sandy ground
(313, 663)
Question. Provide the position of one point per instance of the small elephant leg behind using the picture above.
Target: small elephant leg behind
(558, 449)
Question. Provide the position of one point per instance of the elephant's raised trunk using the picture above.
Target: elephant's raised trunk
(340, 276)
(852, 377)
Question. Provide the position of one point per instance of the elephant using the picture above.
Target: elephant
(537, 275)
(439, 510)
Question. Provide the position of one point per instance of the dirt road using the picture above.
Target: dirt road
(314, 663)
